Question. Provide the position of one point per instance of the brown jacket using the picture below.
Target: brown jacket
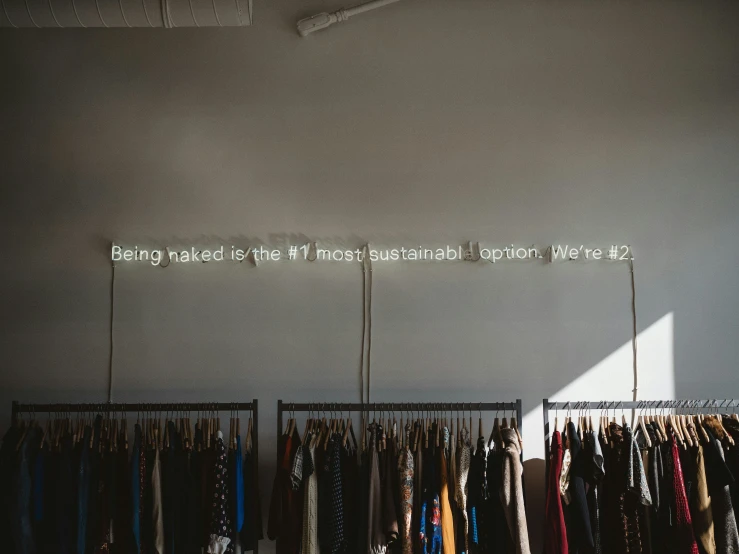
(512, 492)
(702, 514)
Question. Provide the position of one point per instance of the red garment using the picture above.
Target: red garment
(684, 536)
(285, 523)
(555, 532)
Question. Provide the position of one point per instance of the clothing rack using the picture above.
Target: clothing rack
(399, 406)
(253, 407)
(607, 405)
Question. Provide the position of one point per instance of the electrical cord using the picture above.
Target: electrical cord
(369, 328)
(364, 332)
(112, 319)
(634, 335)
(366, 325)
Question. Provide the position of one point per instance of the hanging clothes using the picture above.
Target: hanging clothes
(309, 543)
(221, 525)
(477, 499)
(376, 541)
(7, 471)
(157, 521)
(283, 513)
(22, 527)
(580, 537)
(238, 486)
(363, 534)
(684, 539)
(555, 532)
(499, 540)
(375, 491)
(431, 508)
(595, 474)
(391, 492)
(350, 484)
(83, 490)
(87, 491)
(462, 489)
(405, 468)
(732, 458)
(418, 493)
(512, 492)
(252, 530)
(447, 517)
(336, 520)
(720, 479)
(701, 509)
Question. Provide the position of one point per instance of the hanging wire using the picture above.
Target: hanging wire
(364, 331)
(369, 324)
(112, 320)
(634, 335)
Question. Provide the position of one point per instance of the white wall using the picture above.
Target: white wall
(430, 122)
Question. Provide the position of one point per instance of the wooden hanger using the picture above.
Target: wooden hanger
(290, 426)
(493, 432)
(699, 425)
(678, 432)
(691, 431)
(686, 432)
(680, 418)
(720, 419)
(45, 432)
(58, 425)
(306, 431)
(642, 426)
(364, 432)
(347, 429)
(656, 427)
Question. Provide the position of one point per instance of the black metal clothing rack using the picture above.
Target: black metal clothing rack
(252, 407)
(290, 407)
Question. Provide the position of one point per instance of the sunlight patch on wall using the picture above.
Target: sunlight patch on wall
(612, 379)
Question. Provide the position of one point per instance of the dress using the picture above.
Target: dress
(555, 532)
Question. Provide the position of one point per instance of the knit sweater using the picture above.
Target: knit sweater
(512, 492)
